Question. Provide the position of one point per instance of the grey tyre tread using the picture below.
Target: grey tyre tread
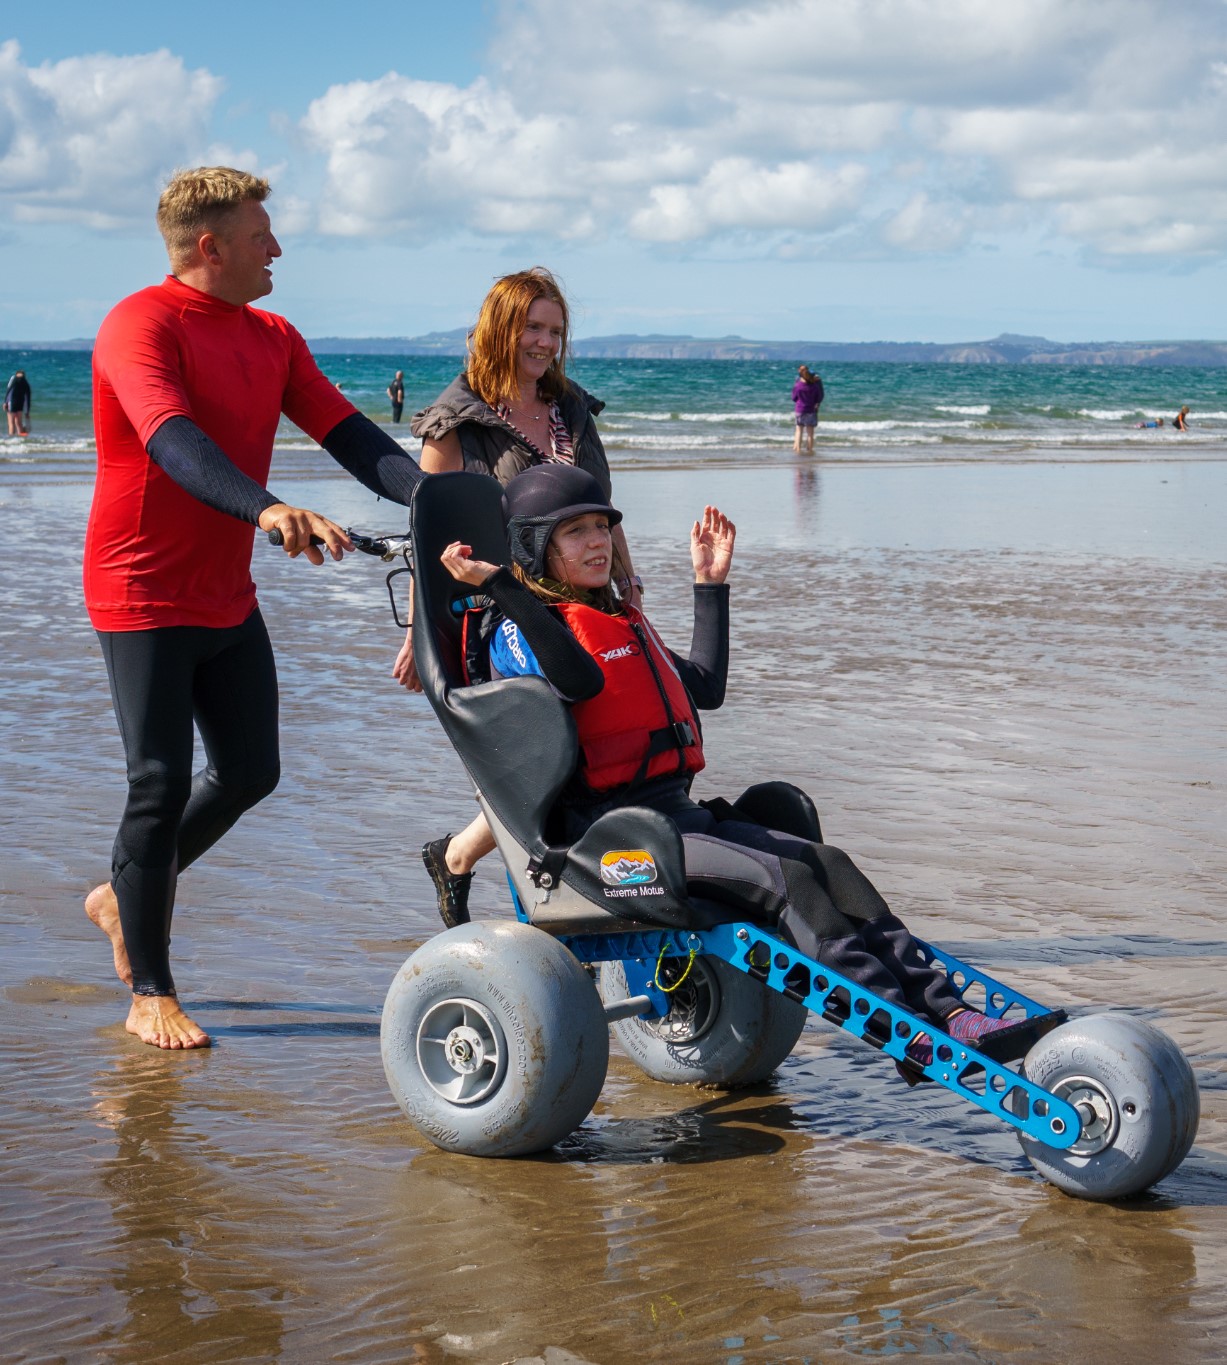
(754, 1030)
(523, 994)
(1148, 1087)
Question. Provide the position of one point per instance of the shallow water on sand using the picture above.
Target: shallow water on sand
(1007, 700)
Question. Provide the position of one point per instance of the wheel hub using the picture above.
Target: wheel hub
(1096, 1108)
(461, 1051)
(464, 1050)
(693, 1007)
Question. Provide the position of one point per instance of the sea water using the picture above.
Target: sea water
(694, 413)
(995, 653)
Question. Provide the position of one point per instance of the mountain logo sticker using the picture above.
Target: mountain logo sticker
(628, 867)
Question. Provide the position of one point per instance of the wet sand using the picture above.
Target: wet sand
(1006, 693)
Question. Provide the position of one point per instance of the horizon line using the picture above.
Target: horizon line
(1015, 339)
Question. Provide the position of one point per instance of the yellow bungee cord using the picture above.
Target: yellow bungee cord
(658, 983)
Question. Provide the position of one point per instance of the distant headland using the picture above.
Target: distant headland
(1007, 349)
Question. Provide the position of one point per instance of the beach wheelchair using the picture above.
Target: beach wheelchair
(495, 1035)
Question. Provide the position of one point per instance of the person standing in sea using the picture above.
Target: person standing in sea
(396, 395)
(17, 404)
(511, 408)
(189, 385)
(807, 396)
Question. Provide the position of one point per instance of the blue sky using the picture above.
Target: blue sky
(816, 169)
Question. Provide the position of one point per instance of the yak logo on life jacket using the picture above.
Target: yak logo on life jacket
(641, 713)
(622, 652)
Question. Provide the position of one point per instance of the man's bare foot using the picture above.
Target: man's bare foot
(102, 907)
(159, 1021)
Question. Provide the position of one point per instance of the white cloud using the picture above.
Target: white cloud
(915, 123)
(794, 127)
(407, 154)
(738, 194)
(924, 225)
(91, 139)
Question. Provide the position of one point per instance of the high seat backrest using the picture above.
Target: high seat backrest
(519, 744)
(515, 737)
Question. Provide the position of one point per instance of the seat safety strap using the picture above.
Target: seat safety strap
(545, 869)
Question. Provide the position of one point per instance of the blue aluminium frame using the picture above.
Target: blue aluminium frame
(963, 1070)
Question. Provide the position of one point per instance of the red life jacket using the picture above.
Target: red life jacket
(641, 724)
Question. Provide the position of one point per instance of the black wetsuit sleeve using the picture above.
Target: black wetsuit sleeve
(706, 672)
(202, 468)
(370, 454)
(567, 665)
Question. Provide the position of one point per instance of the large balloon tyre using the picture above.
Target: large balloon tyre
(494, 1040)
(1138, 1099)
(723, 1029)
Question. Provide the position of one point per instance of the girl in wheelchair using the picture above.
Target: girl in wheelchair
(556, 613)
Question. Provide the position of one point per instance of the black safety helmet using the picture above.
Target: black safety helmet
(535, 501)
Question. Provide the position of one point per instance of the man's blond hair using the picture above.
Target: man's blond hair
(202, 200)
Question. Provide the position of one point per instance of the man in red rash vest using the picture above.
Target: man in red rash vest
(189, 386)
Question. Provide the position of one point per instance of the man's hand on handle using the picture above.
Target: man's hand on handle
(304, 532)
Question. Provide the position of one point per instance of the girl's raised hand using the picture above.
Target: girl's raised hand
(458, 560)
(711, 546)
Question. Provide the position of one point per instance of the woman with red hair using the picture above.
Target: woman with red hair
(511, 408)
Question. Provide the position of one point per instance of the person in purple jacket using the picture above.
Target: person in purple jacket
(807, 396)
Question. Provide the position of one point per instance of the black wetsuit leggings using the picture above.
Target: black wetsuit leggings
(162, 681)
(819, 901)
(814, 895)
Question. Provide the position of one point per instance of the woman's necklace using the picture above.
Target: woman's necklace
(519, 409)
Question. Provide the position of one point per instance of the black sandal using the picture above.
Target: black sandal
(1012, 1043)
(451, 890)
(1009, 1044)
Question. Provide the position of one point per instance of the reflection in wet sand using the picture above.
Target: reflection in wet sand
(169, 1194)
(1016, 742)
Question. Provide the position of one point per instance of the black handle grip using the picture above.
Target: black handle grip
(276, 538)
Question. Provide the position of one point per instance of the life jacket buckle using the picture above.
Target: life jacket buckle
(683, 733)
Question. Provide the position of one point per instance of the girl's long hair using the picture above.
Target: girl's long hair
(495, 336)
